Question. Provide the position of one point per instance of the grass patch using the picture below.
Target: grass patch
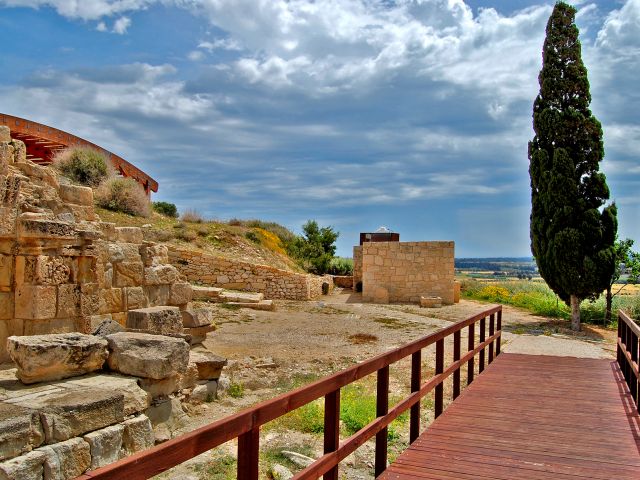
(392, 323)
(362, 338)
(220, 467)
(236, 390)
(228, 306)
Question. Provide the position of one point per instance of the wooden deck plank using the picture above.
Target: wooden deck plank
(532, 417)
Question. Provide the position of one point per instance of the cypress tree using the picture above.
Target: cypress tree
(572, 235)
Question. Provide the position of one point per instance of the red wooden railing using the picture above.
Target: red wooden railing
(245, 425)
(628, 334)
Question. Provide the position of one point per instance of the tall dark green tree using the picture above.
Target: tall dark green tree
(572, 231)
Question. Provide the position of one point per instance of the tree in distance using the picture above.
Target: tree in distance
(572, 232)
(316, 248)
(628, 261)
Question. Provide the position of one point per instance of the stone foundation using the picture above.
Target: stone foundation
(274, 283)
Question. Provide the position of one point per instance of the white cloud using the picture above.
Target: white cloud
(121, 25)
(220, 44)
(83, 9)
(101, 27)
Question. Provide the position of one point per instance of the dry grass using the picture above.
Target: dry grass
(362, 338)
(123, 195)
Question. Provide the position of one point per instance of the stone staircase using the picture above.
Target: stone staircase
(251, 300)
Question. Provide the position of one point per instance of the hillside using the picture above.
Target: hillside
(250, 241)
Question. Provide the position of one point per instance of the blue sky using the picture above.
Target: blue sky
(413, 114)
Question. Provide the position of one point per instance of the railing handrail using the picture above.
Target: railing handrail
(245, 425)
(628, 349)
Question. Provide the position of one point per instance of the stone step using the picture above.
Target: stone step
(205, 293)
(240, 297)
(265, 305)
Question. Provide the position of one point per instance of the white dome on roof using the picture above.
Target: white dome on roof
(383, 229)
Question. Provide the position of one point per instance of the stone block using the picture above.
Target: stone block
(380, 295)
(76, 194)
(87, 270)
(430, 302)
(205, 293)
(19, 151)
(52, 357)
(68, 301)
(166, 418)
(6, 305)
(129, 234)
(137, 435)
(158, 320)
(46, 327)
(128, 274)
(188, 378)
(25, 467)
(6, 157)
(160, 275)
(205, 392)
(198, 334)
(135, 399)
(105, 445)
(108, 231)
(149, 356)
(5, 134)
(36, 302)
(244, 297)
(20, 430)
(456, 291)
(197, 317)
(89, 298)
(106, 326)
(68, 413)
(6, 270)
(180, 294)
(66, 460)
(160, 388)
(135, 298)
(209, 364)
(115, 253)
(263, 305)
(8, 328)
(111, 300)
(154, 255)
(157, 294)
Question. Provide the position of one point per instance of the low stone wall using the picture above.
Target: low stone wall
(343, 281)
(272, 282)
(357, 265)
(406, 271)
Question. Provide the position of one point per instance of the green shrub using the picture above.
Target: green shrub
(166, 208)
(253, 236)
(236, 390)
(83, 165)
(341, 266)
(123, 195)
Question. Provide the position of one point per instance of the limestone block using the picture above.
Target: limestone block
(115, 253)
(205, 293)
(106, 326)
(198, 334)
(197, 317)
(19, 150)
(24, 467)
(167, 416)
(244, 297)
(160, 388)
(154, 255)
(131, 252)
(128, 274)
(157, 294)
(180, 294)
(456, 291)
(52, 357)
(105, 445)
(135, 399)
(55, 325)
(108, 231)
(135, 298)
(66, 460)
(68, 301)
(86, 272)
(6, 305)
(6, 157)
(129, 234)
(67, 413)
(6, 270)
(430, 302)
(209, 364)
(159, 320)
(120, 317)
(5, 134)
(20, 430)
(89, 298)
(35, 301)
(111, 300)
(76, 194)
(160, 275)
(188, 378)
(205, 392)
(149, 356)
(137, 435)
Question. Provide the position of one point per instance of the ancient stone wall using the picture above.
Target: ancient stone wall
(357, 265)
(221, 272)
(405, 271)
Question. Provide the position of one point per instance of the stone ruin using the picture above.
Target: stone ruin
(100, 326)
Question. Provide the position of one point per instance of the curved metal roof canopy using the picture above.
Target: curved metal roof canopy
(43, 142)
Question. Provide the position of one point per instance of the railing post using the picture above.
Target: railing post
(332, 428)
(618, 348)
(471, 346)
(626, 341)
(249, 454)
(416, 374)
(499, 329)
(483, 328)
(456, 357)
(382, 408)
(439, 403)
(633, 349)
(492, 321)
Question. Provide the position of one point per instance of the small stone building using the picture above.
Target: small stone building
(405, 271)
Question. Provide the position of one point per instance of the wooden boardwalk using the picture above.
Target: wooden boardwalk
(532, 417)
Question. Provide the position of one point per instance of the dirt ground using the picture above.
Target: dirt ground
(272, 352)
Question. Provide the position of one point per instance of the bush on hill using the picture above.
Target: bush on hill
(123, 195)
(83, 165)
(166, 208)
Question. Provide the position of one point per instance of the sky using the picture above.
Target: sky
(412, 114)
